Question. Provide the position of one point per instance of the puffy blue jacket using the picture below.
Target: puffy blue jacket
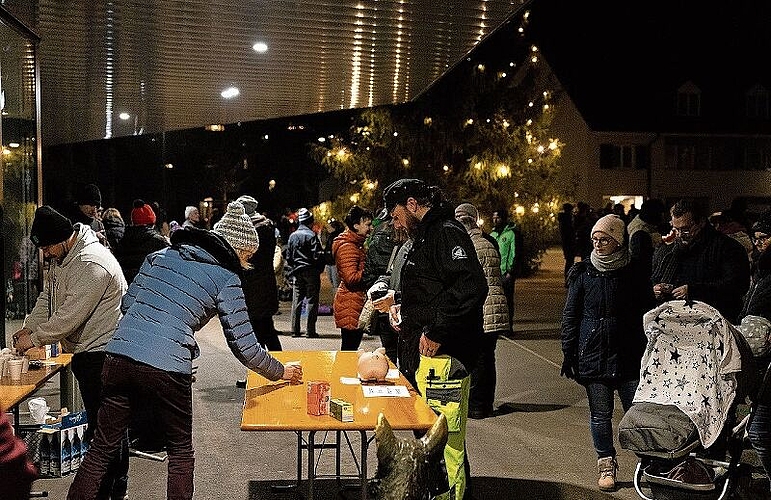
(177, 291)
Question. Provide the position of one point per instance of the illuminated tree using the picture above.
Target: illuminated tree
(483, 136)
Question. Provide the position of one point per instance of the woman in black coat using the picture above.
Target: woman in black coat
(140, 240)
(259, 283)
(602, 334)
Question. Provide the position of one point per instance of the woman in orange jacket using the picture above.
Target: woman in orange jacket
(349, 253)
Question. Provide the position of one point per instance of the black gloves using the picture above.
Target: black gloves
(569, 367)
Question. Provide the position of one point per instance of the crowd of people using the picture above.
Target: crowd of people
(437, 290)
(634, 263)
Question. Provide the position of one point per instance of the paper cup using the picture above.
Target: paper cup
(38, 409)
(2, 366)
(15, 367)
(5, 358)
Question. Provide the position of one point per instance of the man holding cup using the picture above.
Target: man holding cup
(79, 307)
(438, 311)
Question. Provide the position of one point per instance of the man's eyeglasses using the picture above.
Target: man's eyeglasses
(684, 231)
(601, 242)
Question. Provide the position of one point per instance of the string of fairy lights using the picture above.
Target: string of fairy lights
(539, 146)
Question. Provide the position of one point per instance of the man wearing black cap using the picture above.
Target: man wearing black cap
(79, 307)
(439, 318)
(88, 202)
(305, 260)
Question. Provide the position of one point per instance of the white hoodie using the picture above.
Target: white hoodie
(81, 297)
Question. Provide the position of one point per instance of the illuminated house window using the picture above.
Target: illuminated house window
(688, 100)
(624, 156)
(757, 102)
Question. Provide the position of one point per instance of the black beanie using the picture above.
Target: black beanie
(89, 195)
(49, 227)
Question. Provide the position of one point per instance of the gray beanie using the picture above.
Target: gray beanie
(237, 228)
(249, 203)
(467, 210)
(613, 226)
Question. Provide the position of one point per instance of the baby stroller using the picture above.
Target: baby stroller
(696, 369)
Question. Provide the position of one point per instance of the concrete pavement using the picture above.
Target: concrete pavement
(536, 446)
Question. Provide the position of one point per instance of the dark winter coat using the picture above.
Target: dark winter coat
(259, 283)
(137, 243)
(114, 229)
(758, 299)
(602, 324)
(348, 249)
(714, 266)
(381, 245)
(443, 289)
(303, 251)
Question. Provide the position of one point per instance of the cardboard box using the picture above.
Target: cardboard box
(341, 410)
(61, 447)
(43, 352)
(318, 397)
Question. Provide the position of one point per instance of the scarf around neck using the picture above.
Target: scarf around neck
(616, 260)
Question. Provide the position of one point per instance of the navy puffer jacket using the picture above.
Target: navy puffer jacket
(177, 291)
(602, 324)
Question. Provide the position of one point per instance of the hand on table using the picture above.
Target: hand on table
(22, 340)
(293, 373)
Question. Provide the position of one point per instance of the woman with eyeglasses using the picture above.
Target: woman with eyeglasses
(602, 333)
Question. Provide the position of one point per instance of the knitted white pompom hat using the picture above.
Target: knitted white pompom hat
(237, 228)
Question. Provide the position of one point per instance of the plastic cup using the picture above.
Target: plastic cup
(2, 366)
(16, 366)
(38, 408)
(25, 364)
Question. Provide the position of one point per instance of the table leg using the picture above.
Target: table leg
(363, 471)
(299, 457)
(337, 454)
(311, 468)
(16, 422)
(68, 391)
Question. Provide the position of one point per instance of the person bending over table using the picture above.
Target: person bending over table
(149, 359)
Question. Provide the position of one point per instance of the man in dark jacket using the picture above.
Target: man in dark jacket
(567, 236)
(305, 260)
(702, 264)
(259, 283)
(443, 289)
(644, 233)
(86, 208)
